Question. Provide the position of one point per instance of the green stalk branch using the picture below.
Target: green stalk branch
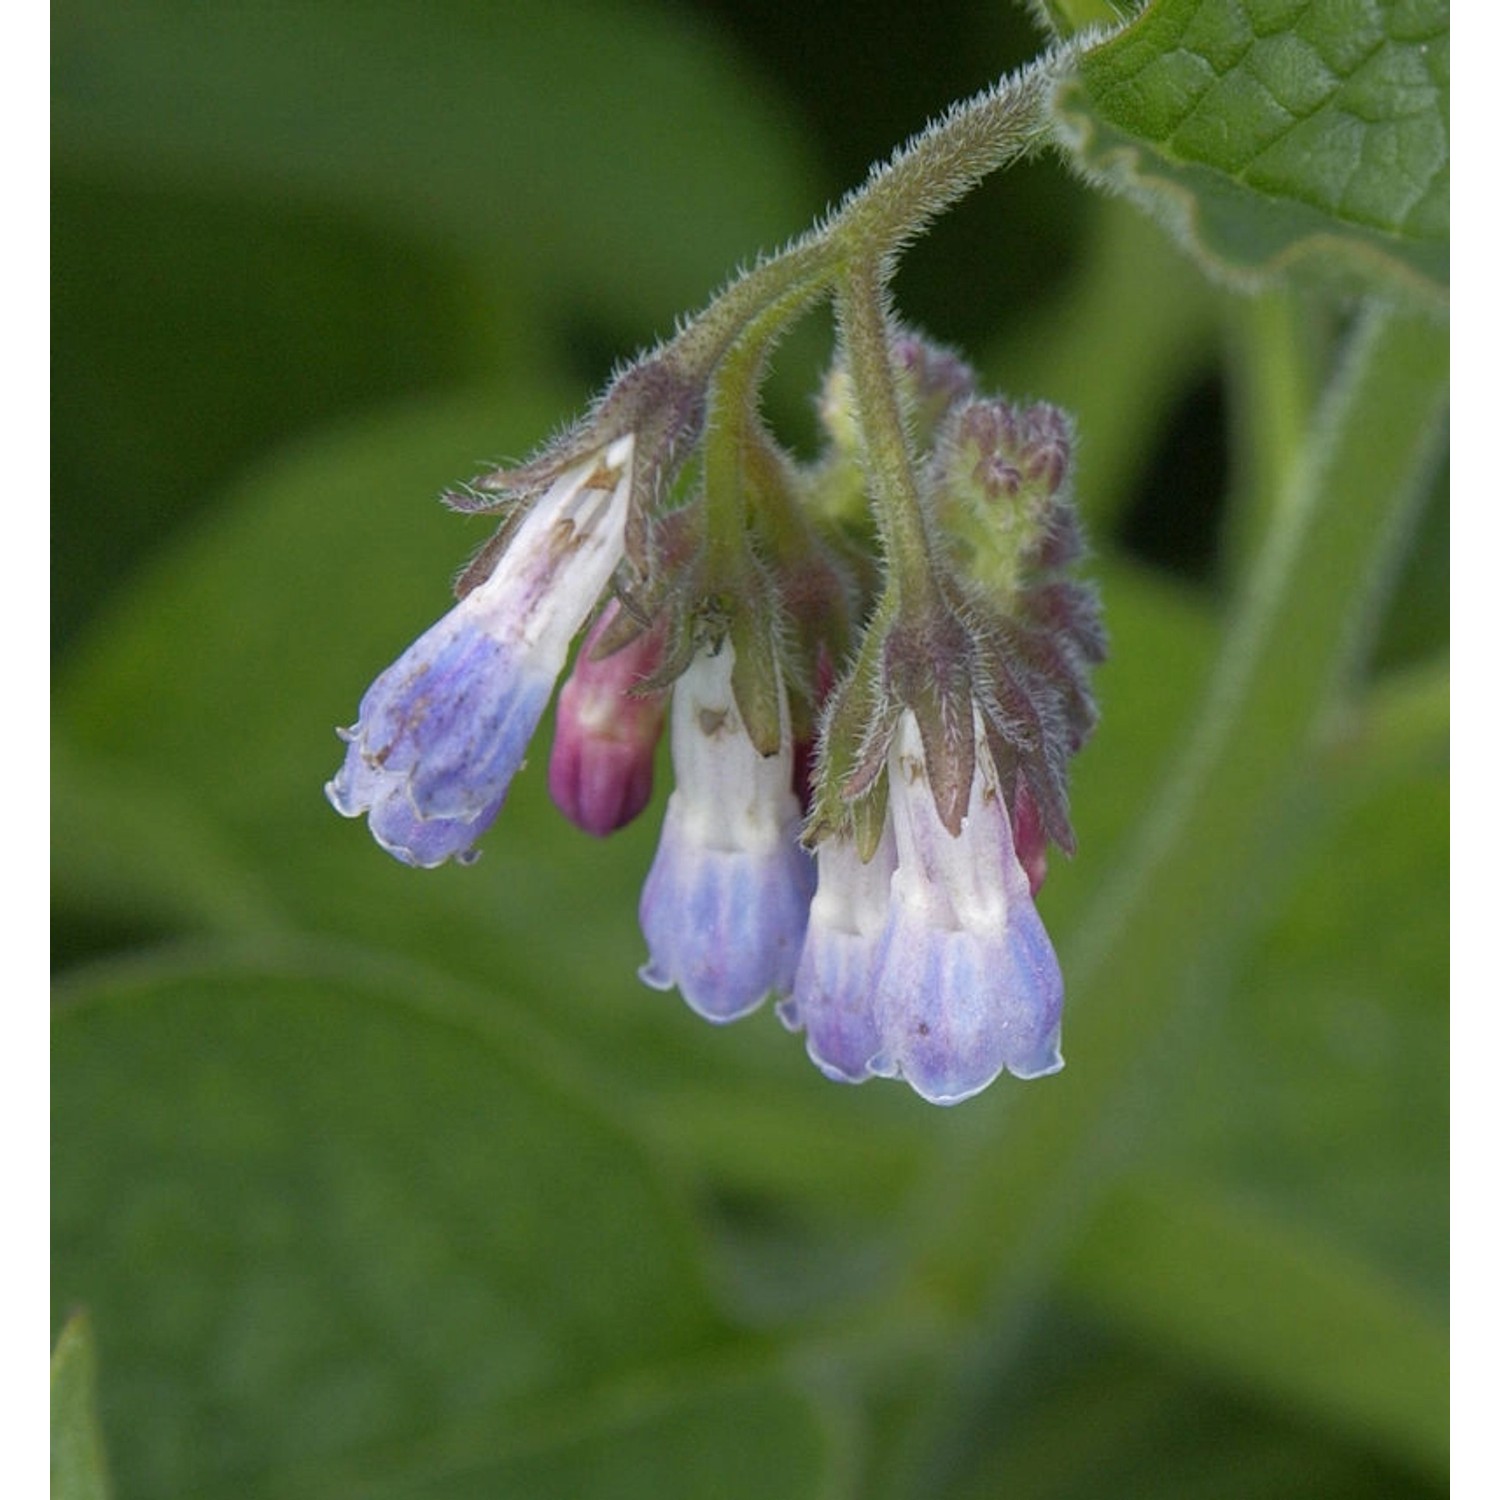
(860, 305)
(946, 161)
(1278, 356)
(731, 411)
(894, 205)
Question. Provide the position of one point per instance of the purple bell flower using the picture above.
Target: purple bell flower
(724, 908)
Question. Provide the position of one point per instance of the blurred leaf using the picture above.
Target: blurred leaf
(1270, 136)
(1271, 1308)
(524, 125)
(129, 854)
(1301, 1247)
(79, 1471)
(1082, 1412)
(1065, 17)
(193, 329)
(1333, 1055)
(335, 1234)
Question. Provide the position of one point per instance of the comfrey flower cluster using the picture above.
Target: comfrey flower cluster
(875, 667)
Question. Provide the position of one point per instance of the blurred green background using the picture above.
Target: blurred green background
(378, 1182)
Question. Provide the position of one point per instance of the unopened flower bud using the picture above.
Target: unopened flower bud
(999, 488)
(603, 753)
(930, 380)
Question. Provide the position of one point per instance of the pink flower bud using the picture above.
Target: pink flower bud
(602, 754)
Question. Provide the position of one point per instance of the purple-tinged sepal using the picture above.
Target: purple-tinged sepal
(442, 731)
(832, 998)
(1030, 837)
(724, 908)
(967, 985)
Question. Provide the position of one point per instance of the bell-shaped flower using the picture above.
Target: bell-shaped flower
(724, 908)
(442, 731)
(601, 769)
(832, 998)
(967, 984)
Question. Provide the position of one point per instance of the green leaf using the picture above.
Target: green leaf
(1272, 136)
(78, 1467)
(341, 1233)
(617, 158)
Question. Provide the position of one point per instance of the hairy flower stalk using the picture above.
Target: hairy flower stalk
(877, 662)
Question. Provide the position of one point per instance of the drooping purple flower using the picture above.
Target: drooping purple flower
(967, 984)
(724, 908)
(832, 998)
(601, 768)
(442, 731)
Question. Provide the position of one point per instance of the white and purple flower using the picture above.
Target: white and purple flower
(442, 732)
(724, 908)
(966, 983)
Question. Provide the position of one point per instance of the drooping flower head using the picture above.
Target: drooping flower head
(936, 704)
(942, 775)
(442, 732)
(724, 908)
